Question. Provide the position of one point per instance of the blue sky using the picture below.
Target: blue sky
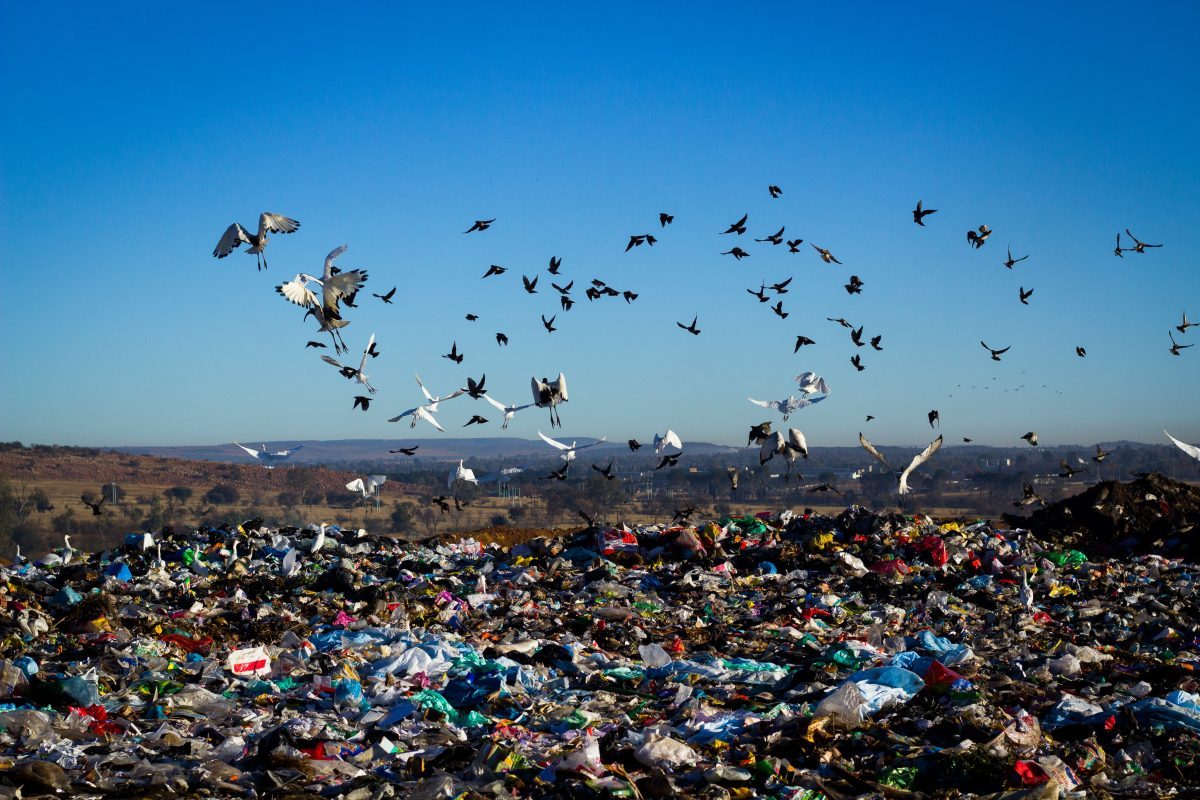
(133, 135)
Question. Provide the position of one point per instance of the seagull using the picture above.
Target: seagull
(758, 433)
(420, 412)
(1067, 469)
(856, 360)
(555, 265)
(1024, 294)
(454, 355)
(359, 400)
(934, 417)
(634, 444)
(548, 324)
(787, 407)
(530, 285)
(855, 285)
(550, 395)
(506, 410)
(568, 450)
(1081, 352)
(1031, 437)
(665, 219)
(1175, 346)
(607, 472)
(774, 238)
(775, 191)
(1139, 246)
(269, 457)
(480, 225)
(476, 420)
(95, 507)
(801, 341)
(917, 461)
(919, 214)
(461, 473)
(495, 269)
(501, 339)
(336, 286)
(826, 256)
(1011, 261)
(408, 451)
(235, 235)
(1183, 326)
(692, 329)
(794, 245)
(356, 374)
(431, 402)
(387, 298)
(778, 309)
(737, 253)
(1191, 449)
(738, 227)
(976, 240)
(995, 353)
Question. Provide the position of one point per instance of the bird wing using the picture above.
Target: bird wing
(796, 439)
(538, 387)
(333, 361)
(870, 448)
(276, 223)
(366, 353)
(668, 439)
(763, 403)
(560, 386)
(424, 391)
(496, 404)
(1191, 449)
(357, 485)
(425, 415)
(552, 442)
(333, 256)
(770, 446)
(297, 291)
(601, 440)
(254, 453)
(399, 417)
(231, 239)
(917, 461)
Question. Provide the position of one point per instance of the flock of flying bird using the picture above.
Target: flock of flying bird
(325, 297)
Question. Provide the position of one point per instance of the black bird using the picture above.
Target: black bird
(555, 265)
(685, 514)
(781, 288)
(919, 214)
(440, 502)
(934, 417)
(495, 269)
(875, 340)
(472, 317)
(856, 360)
(95, 507)
(1175, 346)
(592, 293)
(373, 349)
(610, 291)
(562, 289)
(408, 451)
(635, 241)
(1183, 326)
(774, 238)
(976, 240)
(480, 225)
(967, 439)
(801, 341)
(1067, 469)
(736, 252)
(692, 329)
(476, 420)
(668, 460)
(599, 284)
(738, 227)
(387, 298)
(995, 353)
(359, 400)
(1081, 352)
(629, 296)
(530, 285)
(775, 191)
(454, 355)
(1011, 261)
(794, 245)
(475, 388)
(855, 285)
(634, 444)
(760, 294)
(1117, 252)
(1139, 246)
(778, 309)
(840, 321)
(315, 344)
(856, 336)
(824, 487)
(559, 474)
(759, 433)
(459, 505)
(349, 299)
(1024, 294)
(665, 219)
(1032, 438)
(590, 520)
(548, 324)
(566, 302)
(1101, 455)
(501, 339)
(1028, 496)
(826, 256)
(606, 471)
(870, 417)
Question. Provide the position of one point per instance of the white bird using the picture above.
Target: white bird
(235, 235)
(790, 447)
(668, 439)
(811, 383)
(786, 407)
(917, 461)
(331, 326)
(334, 286)
(367, 487)
(356, 374)
(568, 450)
(508, 411)
(68, 552)
(420, 412)
(269, 458)
(1025, 594)
(432, 402)
(550, 394)
(1191, 449)
(461, 473)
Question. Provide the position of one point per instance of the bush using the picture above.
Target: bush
(222, 494)
(404, 518)
(179, 494)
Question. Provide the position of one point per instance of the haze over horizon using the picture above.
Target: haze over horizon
(132, 137)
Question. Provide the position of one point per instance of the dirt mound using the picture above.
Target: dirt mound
(1153, 514)
(507, 536)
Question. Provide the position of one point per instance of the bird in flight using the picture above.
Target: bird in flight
(1067, 469)
(856, 360)
(420, 412)
(1175, 346)
(555, 265)
(495, 269)
(476, 420)
(1183, 326)
(568, 450)
(856, 336)
(870, 417)
(629, 296)
(801, 341)
(351, 373)
(235, 235)
(781, 288)
(1191, 449)
(665, 219)
(1024, 295)
(826, 256)
(875, 342)
(758, 433)
(336, 286)
(501, 339)
(934, 417)
(548, 324)
(315, 344)
(668, 460)
(1101, 454)
(1031, 437)
(472, 317)
(976, 240)
(607, 472)
(387, 298)
(1011, 261)
(692, 329)
(507, 411)
(454, 355)
(480, 225)
(562, 289)
(774, 238)
(408, 451)
(1139, 246)
(634, 445)
(917, 461)
(761, 294)
(1028, 496)
(794, 245)
(638, 241)
(359, 400)
(1081, 352)
(854, 286)
(840, 321)
(95, 507)
(919, 214)
(566, 302)
(775, 191)
(738, 227)
(778, 309)
(995, 353)
(736, 252)
(1118, 250)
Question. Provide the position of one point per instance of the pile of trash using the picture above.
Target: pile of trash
(785, 656)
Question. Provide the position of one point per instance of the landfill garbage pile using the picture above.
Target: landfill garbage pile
(1152, 514)
(780, 656)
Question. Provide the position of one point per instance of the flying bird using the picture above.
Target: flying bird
(235, 235)
(420, 412)
(350, 373)
(856, 336)
(476, 420)
(408, 451)
(555, 265)
(1011, 261)
(607, 472)
(1183, 326)
(480, 225)
(548, 324)
(758, 433)
(568, 450)
(476, 388)
(1101, 454)
(1191, 449)
(315, 344)
(995, 353)
(1024, 294)
(387, 298)
(1081, 352)
(1139, 246)
(1032, 438)
(454, 355)
(800, 342)
(737, 253)
(431, 402)
(507, 410)
(854, 286)
(826, 256)
(501, 339)
(919, 214)
(634, 445)
(566, 302)
(761, 294)
(787, 407)
(547, 394)
(774, 238)
(95, 507)
(562, 289)
(870, 417)
(268, 457)
(738, 227)
(1175, 346)
(917, 461)
(856, 360)
(1119, 250)
(875, 342)
(811, 383)
(359, 400)
(778, 309)
(775, 191)
(669, 460)
(794, 245)
(440, 502)
(636, 241)
(781, 288)
(336, 286)
(976, 240)
(331, 326)
(495, 269)
(934, 417)
(692, 329)
(1028, 497)
(629, 296)
(840, 321)
(665, 219)
(1067, 469)
(530, 285)
(472, 317)
(559, 474)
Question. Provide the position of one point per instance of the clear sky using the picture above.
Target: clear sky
(134, 133)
